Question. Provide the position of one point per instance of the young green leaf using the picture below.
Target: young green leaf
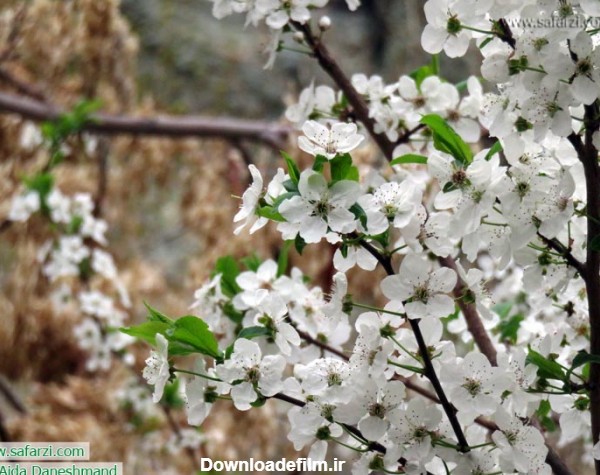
(292, 167)
(496, 148)
(229, 268)
(282, 259)
(445, 139)
(409, 158)
(146, 331)
(156, 316)
(547, 368)
(194, 331)
(342, 168)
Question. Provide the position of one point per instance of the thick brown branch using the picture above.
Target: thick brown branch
(472, 317)
(588, 155)
(269, 133)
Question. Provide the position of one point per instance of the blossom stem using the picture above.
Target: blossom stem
(356, 437)
(393, 251)
(205, 376)
(477, 30)
(297, 50)
(348, 446)
(537, 70)
(489, 223)
(393, 338)
(377, 309)
(408, 367)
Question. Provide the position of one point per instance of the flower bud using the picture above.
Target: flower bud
(325, 23)
(299, 37)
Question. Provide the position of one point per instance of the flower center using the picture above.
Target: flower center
(459, 178)
(420, 433)
(253, 375)
(472, 386)
(334, 379)
(377, 410)
(453, 116)
(584, 67)
(453, 25)
(322, 208)
(421, 294)
(539, 43)
(522, 188)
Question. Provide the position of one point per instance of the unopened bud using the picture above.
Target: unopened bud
(299, 37)
(325, 23)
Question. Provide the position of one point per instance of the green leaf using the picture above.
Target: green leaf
(232, 313)
(41, 183)
(147, 331)
(342, 168)
(156, 316)
(359, 213)
(581, 358)
(320, 162)
(503, 309)
(260, 401)
(420, 74)
(252, 262)
(509, 328)
(485, 42)
(291, 186)
(496, 148)
(299, 243)
(543, 413)
(547, 369)
(271, 213)
(409, 158)
(171, 397)
(194, 332)
(292, 167)
(445, 139)
(253, 332)
(229, 268)
(283, 258)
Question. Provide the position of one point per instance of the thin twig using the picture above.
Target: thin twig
(269, 133)
(566, 253)
(11, 398)
(429, 369)
(331, 67)
(324, 346)
(22, 87)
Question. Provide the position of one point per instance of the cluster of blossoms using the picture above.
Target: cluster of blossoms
(397, 108)
(514, 215)
(75, 255)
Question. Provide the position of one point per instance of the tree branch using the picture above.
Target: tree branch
(472, 317)
(332, 68)
(566, 253)
(324, 346)
(271, 134)
(588, 156)
(429, 370)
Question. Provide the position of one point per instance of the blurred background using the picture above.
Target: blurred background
(169, 203)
